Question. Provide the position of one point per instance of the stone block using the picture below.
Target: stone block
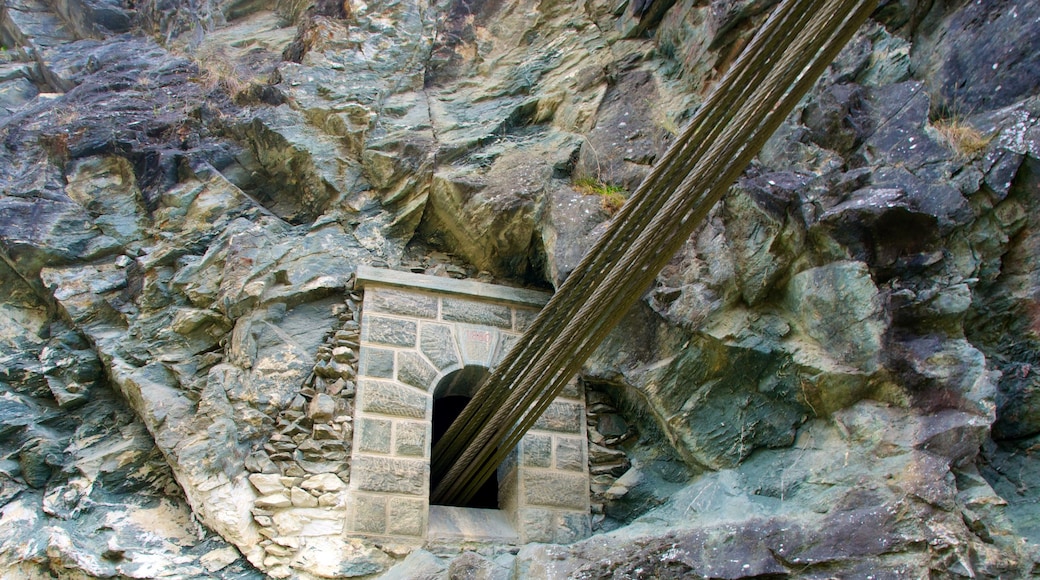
(412, 369)
(321, 409)
(274, 501)
(505, 344)
(537, 450)
(552, 489)
(402, 303)
(572, 526)
(329, 500)
(572, 391)
(536, 525)
(392, 399)
(437, 342)
(389, 331)
(570, 454)
(290, 542)
(612, 425)
(267, 483)
(344, 355)
(285, 523)
(376, 362)
(522, 318)
(216, 560)
(321, 432)
(477, 345)
(388, 475)
(278, 550)
(839, 306)
(302, 499)
(406, 517)
(319, 521)
(373, 435)
(473, 312)
(274, 562)
(370, 514)
(324, 482)
(561, 416)
(410, 439)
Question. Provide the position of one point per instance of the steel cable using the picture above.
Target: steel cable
(777, 68)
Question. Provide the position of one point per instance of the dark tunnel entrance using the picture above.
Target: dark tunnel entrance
(450, 397)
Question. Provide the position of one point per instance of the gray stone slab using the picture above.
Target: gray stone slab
(410, 439)
(369, 276)
(572, 391)
(537, 450)
(469, 524)
(388, 475)
(418, 564)
(389, 331)
(403, 302)
(370, 514)
(373, 435)
(15, 93)
(376, 362)
(385, 398)
(523, 318)
(473, 312)
(537, 525)
(570, 454)
(506, 341)
(407, 517)
(554, 489)
(572, 526)
(561, 416)
(437, 342)
(414, 370)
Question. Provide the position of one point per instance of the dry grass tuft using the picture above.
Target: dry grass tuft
(963, 138)
(218, 71)
(612, 197)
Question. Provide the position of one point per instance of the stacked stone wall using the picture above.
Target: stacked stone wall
(411, 337)
(302, 471)
(552, 478)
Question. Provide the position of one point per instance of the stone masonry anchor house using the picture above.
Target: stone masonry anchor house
(426, 340)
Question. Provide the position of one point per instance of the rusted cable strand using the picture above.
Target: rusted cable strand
(629, 223)
(511, 439)
(536, 411)
(635, 217)
(545, 379)
(507, 446)
(701, 132)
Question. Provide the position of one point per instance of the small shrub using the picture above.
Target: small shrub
(612, 197)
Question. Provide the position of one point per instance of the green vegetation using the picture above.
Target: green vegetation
(612, 197)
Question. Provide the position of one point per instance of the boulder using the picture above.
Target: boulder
(839, 307)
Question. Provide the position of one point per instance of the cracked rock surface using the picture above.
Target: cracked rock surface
(836, 376)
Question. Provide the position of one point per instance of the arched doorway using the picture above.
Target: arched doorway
(450, 397)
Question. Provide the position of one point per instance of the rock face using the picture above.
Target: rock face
(837, 375)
